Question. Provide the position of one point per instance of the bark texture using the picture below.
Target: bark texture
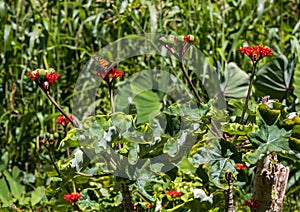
(127, 200)
(269, 184)
(229, 202)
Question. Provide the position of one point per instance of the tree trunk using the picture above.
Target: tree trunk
(269, 184)
(127, 200)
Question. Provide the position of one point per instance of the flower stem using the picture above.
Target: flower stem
(74, 187)
(111, 95)
(190, 82)
(198, 96)
(52, 160)
(60, 109)
(248, 93)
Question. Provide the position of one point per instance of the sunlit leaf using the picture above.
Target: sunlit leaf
(217, 160)
(37, 195)
(268, 139)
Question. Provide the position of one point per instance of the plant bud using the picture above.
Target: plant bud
(42, 72)
(46, 85)
(56, 135)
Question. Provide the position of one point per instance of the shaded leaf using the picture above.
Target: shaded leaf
(273, 78)
(236, 82)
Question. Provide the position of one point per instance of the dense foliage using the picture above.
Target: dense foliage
(42, 161)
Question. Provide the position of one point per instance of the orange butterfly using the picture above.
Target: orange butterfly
(105, 64)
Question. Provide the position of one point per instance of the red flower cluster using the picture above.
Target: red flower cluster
(52, 77)
(63, 120)
(256, 52)
(72, 197)
(253, 203)
(112, 74)
(240, 166)
(43, 77)
(174, 193)
(187, 38)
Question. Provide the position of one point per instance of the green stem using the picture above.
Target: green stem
(248, 93)
(52, 160)
(111, 95)
(60, 109)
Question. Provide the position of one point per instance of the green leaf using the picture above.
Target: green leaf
(133, 153)
(268, 139)
(138, 91)
(296, 84)
(273, 78)
(86, 204)
(216, 158)
(37, 195)
(269, 115)
(237, 129)
(185, 166)
(71, 139)
(7, 37)
(16, 188)
(3, 161)
(5, 195)
(188, 109)
(236, 82)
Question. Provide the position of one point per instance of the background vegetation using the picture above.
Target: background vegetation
(65, 34)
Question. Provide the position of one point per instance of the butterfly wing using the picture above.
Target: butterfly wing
(105, 64)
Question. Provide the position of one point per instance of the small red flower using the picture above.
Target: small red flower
(255, 53)
(63, 120)
(112, 74)
(240, 166)
(174, 193)
(187, 38)
(115, 73)
(52, 77)
(253, 203)
(34, 75)
(72, 197)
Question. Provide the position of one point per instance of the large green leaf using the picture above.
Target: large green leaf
(273, 78)
(217, 159)
(235, 83)
(5, 195)
(138, 91)
(14, 181)
(269, 139)
(37, 195)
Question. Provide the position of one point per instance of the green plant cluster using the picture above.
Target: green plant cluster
(42, 161)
